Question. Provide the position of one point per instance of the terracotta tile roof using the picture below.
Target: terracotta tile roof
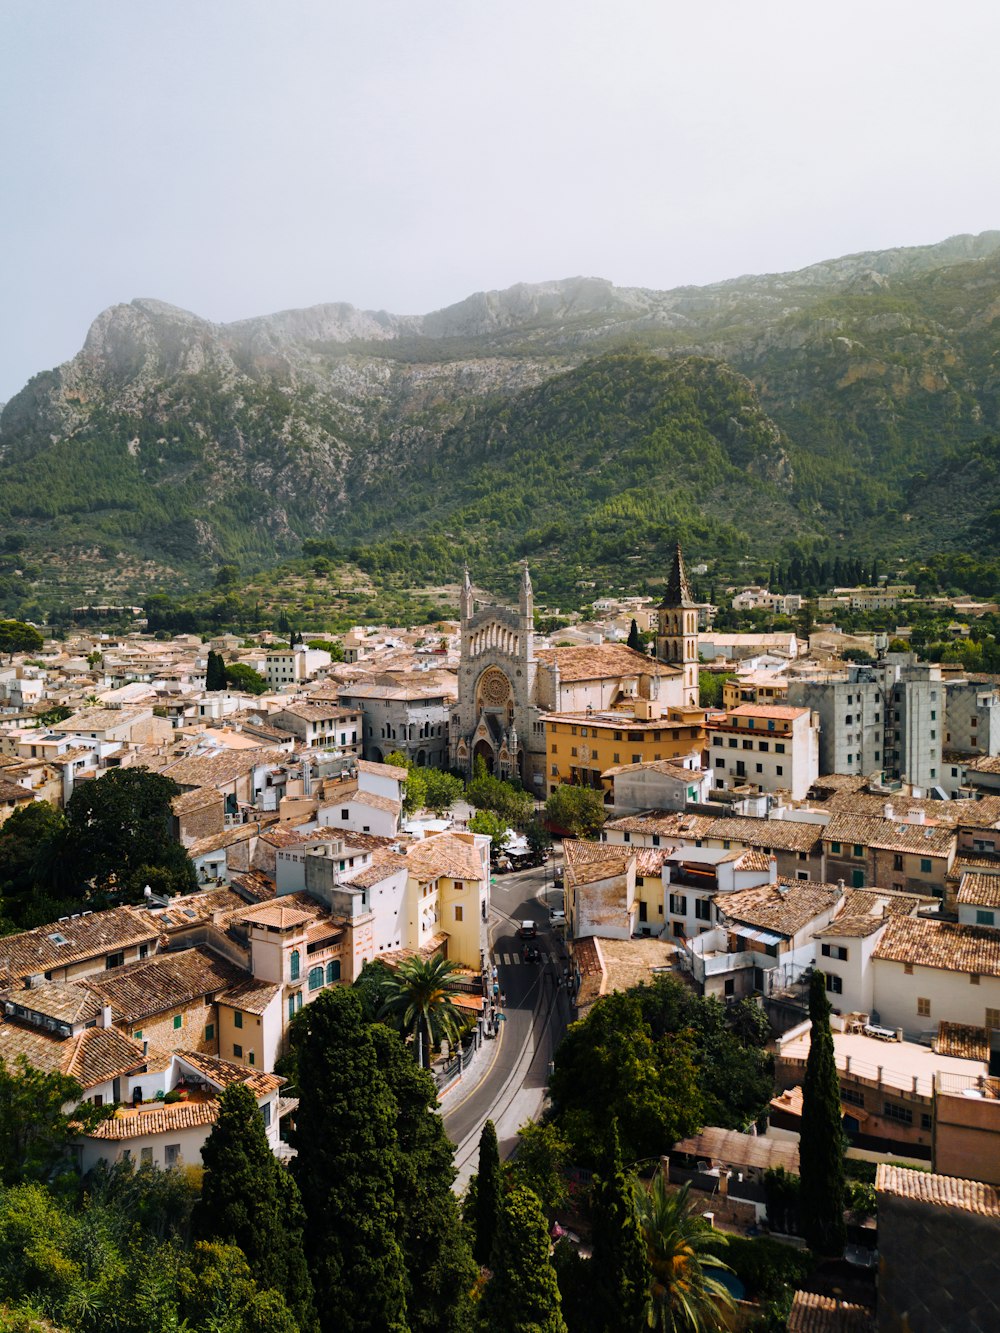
(211, 770)
(251, 996)
(981, 890)
(963, 1040)
(784, 908)
(633, 962)
(444, 854)
(812, 1313)
(780, 712)
(376, 802)
(971, 1196)
(218, 842)
(604, 661)
(593, 872)
(13, 791)
(986, 763)
(973, 814)
(196, 799)
(224, 1072)
(649, 861)
(890, 835)
(384, 864)
(91, 1057)
(746, 1150)
(753, 859)
(782, 835)
(191, 909)
(65, 1001)
(867, 910)
(576, 851)
(941, 944)
(665, 823)
(83, 937)
(381, 770)
(101, 1054)
(283, 913)
(168, 981)
(962, 863)
(315, 712)
(157, 1120)
(98, 719)
(587, 961)
(254, 886)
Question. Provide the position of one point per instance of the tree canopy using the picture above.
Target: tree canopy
(578, 811)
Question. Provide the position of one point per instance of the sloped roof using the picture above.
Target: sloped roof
(980, 890)
(812, 1313)
(970, 1196)
(605, 661)
(444, 854)
(942, 944)
(784, 908)
(167, 981)
(157, 1120)
(782, 835)
(81, 937)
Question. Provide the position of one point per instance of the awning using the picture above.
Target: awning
(761, 936)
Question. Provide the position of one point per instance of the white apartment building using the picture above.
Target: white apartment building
(776, 748)
(289, 666)
(926, 971)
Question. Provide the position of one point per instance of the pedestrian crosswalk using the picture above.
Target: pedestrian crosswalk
(514, 959)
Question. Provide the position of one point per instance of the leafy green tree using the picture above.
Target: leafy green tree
(488, 1195)
(684, 1293)
(620, 1266)
(541, 1162)
(215, 672)
(538, 837)
(345, 1134)
(579, 811)
(24, 873)
(440, 1269)
(332, 646)
(57, 713)
(710, 684)
(217, 1291)
(495, 828)
(418, 1000)
(16, 636)
(522, 1295)
(441, 790)
(504, 799)
(241, 676)
(37, 1133)
(118, 827)
(226, 576)
(610, 1064)
(821, 1145)
(415, 784)
(248, 1199)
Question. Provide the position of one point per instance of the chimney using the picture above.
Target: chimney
(145, 1047)
(772, 870)
(840, 888)
(887, 810)
(917, 816)
(106, 1016)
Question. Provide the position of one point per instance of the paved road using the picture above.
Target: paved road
(512, 1090)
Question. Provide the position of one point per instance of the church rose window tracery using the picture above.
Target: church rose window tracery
(494, 688)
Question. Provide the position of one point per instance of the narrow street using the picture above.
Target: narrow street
(509, 1087)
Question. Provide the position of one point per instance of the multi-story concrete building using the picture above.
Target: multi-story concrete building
(774, 747)
(887, 717)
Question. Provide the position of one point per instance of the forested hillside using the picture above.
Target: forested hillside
(855, 404)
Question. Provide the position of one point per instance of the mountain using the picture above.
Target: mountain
(575, 422)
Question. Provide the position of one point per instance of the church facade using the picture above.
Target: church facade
(507, 686)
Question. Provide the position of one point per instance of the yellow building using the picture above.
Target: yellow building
(764, 687)
(581, 747)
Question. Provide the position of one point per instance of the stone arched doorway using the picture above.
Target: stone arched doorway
(484, 750)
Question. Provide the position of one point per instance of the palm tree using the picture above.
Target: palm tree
(683, 1296)
(417, 999)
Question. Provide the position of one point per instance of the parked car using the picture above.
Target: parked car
(557, 916)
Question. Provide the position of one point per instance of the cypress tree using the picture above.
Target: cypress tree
(440, 1269)
(821, 1144)
(620, 1268)
(215, 672)
(522, 1296)
(489, 1195)
(633, 637)
(248, 1199)
(345, 1133)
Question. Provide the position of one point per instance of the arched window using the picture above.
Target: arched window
(315, 978)
(294, 970)
(332, 972)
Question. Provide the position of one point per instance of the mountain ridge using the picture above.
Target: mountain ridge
(170, 442)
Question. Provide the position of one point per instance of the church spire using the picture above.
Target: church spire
(527, 600)
(466, 602)
(677, 594)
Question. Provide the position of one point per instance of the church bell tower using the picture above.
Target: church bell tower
(677, 629)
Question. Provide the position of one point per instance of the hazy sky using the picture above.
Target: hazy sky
(241, 156)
